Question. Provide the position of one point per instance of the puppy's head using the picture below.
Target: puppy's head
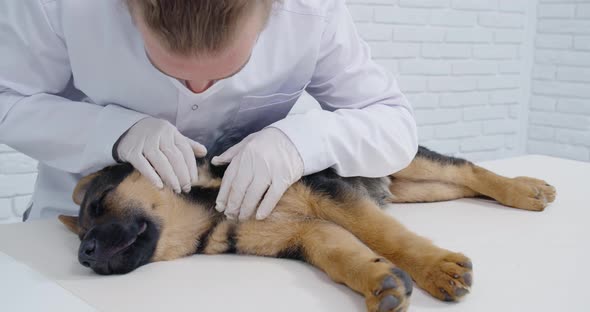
(126, 222)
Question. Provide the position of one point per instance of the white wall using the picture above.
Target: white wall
(17, 176)
(463, 64)
(466, 65)
(560, 106)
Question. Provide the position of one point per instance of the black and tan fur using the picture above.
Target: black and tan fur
(333, 223)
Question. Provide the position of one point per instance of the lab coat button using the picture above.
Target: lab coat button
(195, 107)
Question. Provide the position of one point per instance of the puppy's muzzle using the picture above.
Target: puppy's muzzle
(104, 242)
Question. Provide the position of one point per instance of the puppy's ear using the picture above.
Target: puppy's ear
(82, 188)
(71, 223)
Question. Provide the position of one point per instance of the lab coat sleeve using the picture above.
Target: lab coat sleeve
(366, 127)
(76, 137)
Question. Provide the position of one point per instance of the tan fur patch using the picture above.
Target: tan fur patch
(205, 178)
(409, 191)
(218, 242)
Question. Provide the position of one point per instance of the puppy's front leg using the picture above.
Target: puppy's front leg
(335, 251)
(444, 274)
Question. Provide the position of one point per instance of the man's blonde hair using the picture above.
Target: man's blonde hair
(191, 27)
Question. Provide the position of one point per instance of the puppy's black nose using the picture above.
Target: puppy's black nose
(86, 253)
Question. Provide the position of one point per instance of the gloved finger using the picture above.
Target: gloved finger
(145, 168)
(227, 157)
(179, 165)
(163, 168)
(199, 149)
(226, 182)
(232, 152)
(189, 158)
(271, 199)
(253, 197)
(239, 187)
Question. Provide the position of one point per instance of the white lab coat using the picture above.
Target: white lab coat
(74, 77)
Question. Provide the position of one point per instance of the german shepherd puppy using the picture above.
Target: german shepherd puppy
(331, 222)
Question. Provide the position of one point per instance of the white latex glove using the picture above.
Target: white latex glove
(159, 152)
(264, 162)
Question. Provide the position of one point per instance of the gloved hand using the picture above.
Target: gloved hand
(159, 152)
(264, 162)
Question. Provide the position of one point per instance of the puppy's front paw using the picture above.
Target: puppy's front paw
(389, 287)
(448, 278)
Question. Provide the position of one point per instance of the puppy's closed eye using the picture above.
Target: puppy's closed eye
(97, 208)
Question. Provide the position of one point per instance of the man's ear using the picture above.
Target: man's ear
(71, 223)
(82, 188)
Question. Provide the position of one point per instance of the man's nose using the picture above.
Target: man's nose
(86, 254)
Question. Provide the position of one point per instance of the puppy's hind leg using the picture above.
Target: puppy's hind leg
(521, 192)
(413, 191)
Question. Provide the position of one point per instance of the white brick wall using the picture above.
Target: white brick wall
(559, 122)
(461, 62)
(467, 66)
(17, 177)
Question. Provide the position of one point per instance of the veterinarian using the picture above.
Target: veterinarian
(85, 84)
